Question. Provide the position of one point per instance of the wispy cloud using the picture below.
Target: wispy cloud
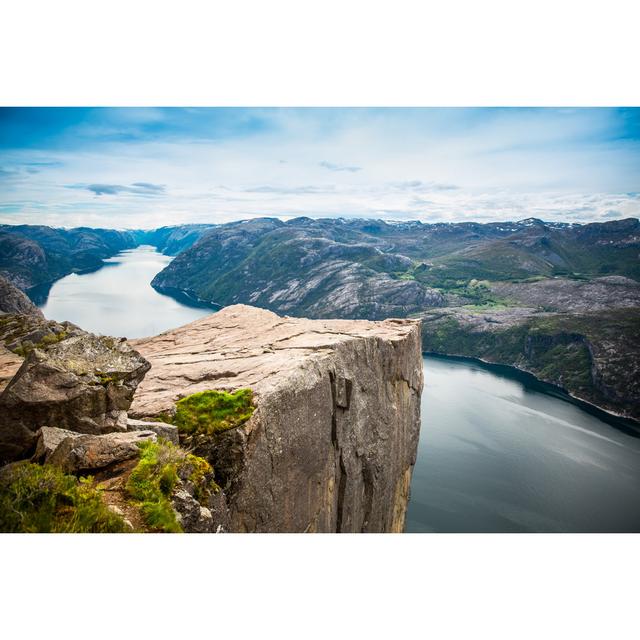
(419, 185)
(339, 167)
(138, 188)
(305, 189)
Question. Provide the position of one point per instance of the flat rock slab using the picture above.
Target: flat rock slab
(83, 453)
(333, 440)
(243, 346)
(9, 365)
(161, 429)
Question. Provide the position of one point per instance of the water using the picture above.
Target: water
(496, 452)
(117, 299)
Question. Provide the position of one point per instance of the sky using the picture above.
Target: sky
(150, 167)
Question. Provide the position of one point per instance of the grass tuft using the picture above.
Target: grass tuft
(150, 485)
(43, 499)
(209, 412)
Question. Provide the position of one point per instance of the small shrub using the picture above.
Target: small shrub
(151, 483)
(43, 499)
(154, 478)
(209, 412)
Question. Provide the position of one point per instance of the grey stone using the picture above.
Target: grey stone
(192, 516)
(84, 384)
(84, 453)
(162, 429)
(48, 440)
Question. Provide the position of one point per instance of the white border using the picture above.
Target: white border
(320, 53)
(324, 53)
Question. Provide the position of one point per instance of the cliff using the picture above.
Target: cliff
(252, 422)
(592, 355)
(332, 441)
(12, 300)
(35, 255)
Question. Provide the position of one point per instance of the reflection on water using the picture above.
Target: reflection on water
(117, 299)
(497, 454)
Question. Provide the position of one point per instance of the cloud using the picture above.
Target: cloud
(149, 186)
(109, 167)
(419, 185)
(289, 190)
(138, 188)
(6, 173)
(339, 167)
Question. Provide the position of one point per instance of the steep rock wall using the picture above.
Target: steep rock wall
(332, 442)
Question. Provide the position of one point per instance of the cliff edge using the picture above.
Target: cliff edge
(332, 442)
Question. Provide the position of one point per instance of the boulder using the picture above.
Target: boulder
(192, 516)
(84, 384)
(48, 440)
(161, 429)
(85, 453)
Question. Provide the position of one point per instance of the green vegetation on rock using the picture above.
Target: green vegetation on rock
(43, 499)
(209, 412)
(162, 465)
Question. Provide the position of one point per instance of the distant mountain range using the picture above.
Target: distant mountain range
(559, 300)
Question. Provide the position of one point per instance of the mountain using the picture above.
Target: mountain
(32, 256)
(559, 300)
(307, 268)
(172, 240)
(341, 267)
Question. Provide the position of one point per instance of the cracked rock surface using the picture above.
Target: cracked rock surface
(332, 442)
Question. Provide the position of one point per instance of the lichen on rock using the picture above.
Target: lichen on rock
(64, 386)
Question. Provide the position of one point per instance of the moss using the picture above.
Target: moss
(164, 416)
(26, 347)
(51, 338)
(151, 483)
(43, 499)
(154, 478)
(199, 471)
(105, 379)
(22, 350)
(210, 412)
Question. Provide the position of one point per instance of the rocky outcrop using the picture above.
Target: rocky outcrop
(85, 453)
(83, 383)
(333, 439)
(12, 300)
(21, 333)
(161, 429)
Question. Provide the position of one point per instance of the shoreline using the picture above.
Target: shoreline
(628, 424)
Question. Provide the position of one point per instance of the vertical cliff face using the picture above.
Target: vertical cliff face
(333, 439)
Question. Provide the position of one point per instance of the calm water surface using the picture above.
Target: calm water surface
(117, 299)
(496, 453)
